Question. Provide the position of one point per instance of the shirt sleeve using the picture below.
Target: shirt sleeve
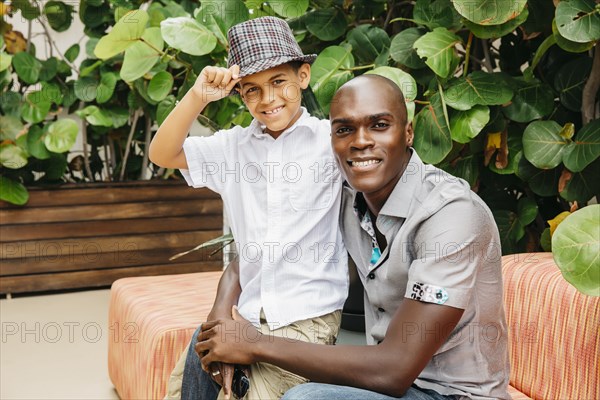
(206, 158)
(450, 248)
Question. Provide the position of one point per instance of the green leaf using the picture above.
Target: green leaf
(436, 13)
(438, 50)
(432, 140)
(326, 24)
(49, 69)
(515, 153)
(160, 86)
(13, 192)
(477, 88)
(141, 56)
(578, 20)
(497, 31)
(510, 228)
(10, 127)
(5, 60)
(402, 51)
(86, 89)
(11, 103)
(546, 240)
(118, 116)
(570, 80)
(59, 15)
(465, 125)
(405, 82)
(542, 144)
(105, 90)
(527, 210)
(72, 52)
(368, 41)
(61, 135)
(177, 31)
(55, 167)
(530, 102)
(542, 182)
(567, 44)
(28, 11)
(584, 149)
(36, 107)
(576, 249)
(289, 8)
(27, 67)
(164, 109)
(466, 168)
(489, 12)
(95, 116)
(35, 143)
(583, 185)
(52, 92)
(127, 31)
(329, 72)
(225, 12)
(12, 156)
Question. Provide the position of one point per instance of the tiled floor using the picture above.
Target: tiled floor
(55, 346)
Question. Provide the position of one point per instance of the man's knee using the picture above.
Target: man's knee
(303, 391)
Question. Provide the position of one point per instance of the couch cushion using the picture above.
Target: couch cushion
(152, 320)
(554, 336)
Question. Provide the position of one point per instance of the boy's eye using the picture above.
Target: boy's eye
(278, 82)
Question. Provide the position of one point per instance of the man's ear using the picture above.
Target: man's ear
(304, 75)
(410, 134)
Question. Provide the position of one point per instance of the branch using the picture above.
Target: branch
(73, 67)
(86, 156)
(136, 116)
(590, 89)
(486, 52)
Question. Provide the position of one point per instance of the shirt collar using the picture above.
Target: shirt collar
(399, 202)
(258, 130)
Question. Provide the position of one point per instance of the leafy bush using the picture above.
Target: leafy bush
(503, 93)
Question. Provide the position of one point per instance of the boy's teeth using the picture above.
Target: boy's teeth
(364, 163)
(273, 111)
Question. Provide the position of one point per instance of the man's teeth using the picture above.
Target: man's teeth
(274, 110)
(364, 163)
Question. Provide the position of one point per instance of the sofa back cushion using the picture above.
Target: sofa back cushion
(554, 331)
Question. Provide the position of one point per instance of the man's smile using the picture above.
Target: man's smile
(363, 164)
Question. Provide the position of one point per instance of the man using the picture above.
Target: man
(427, 251)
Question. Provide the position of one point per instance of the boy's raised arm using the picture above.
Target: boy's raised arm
(214, 83)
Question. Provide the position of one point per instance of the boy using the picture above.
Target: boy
(282, 192)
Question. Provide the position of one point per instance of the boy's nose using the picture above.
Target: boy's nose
(268, 95)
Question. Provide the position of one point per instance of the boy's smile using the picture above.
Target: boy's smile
(273, 96)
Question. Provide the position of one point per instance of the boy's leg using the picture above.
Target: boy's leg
(270, 382)
(322, 391)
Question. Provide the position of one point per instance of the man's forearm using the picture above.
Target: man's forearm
(228, 292)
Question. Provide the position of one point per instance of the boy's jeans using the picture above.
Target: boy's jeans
(322, 391)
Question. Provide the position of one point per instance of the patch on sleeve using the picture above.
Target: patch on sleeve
(428, 293)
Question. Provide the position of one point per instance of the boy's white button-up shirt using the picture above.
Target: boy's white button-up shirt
(282, 198)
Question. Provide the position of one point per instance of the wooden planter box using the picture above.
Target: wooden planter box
(89, 235)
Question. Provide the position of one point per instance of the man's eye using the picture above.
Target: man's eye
(381, 125)
(342, 131)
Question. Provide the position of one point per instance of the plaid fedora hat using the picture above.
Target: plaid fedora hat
(262, 43)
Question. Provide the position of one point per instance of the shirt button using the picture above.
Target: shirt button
(371, 276)
(381, 309)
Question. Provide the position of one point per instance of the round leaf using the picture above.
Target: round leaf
(436, 13)
(567, 44)
(405, 82)
(576, 249)
(125, 32)
(141, 56)
(10, 127)
(59, 15)
(432, 140)
(35, 143)
(12, 156)
(289, 8)
(583, 185)
(72, 52)
(27, 67)
(578, 20)
(13, 192)
(36, 107)
(465, 125)
(5, 60)
(61, 135)
(368, 42)
(529, 103)
(326, 24)
(477, 88)
(95, 116)
(527, 210)
(86, 89)
(177, 31)
(402, 51)
(497, 31)
(489, 12)
(227, 12)
(160, 86)
(437, 48)
(542, 144)
(510, 228)
(49, 69)
(542, 182)
(570, 80)
(105, 90)
(329, 72)
(164, 108)
(584, 149)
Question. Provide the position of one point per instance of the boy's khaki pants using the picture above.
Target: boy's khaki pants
(266, 380)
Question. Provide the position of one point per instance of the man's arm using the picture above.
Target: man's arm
(415, 333)
(228, 292)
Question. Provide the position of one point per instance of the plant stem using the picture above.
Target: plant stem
(360, 67)
(444, 105)
(53, 44)
(28, 36)
(467, 54)
(148, 137)
(136, 116)
(403, 19)
(107, 159)
(588, 98)
(86, 156)
(486, 52)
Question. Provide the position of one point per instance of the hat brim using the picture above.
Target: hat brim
(268, 63)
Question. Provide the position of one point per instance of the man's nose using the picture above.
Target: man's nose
(362, 139)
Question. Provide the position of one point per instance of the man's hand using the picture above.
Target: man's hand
(214, 83)
(229, 341)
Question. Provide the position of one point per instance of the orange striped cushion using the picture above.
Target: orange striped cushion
(516, 395)
(152, 320)
(553, 331)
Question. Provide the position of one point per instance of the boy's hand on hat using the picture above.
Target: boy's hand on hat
(214, 83)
